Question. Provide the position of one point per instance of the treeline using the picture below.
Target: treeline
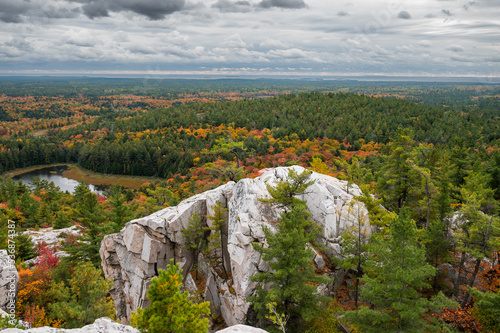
(165, 142)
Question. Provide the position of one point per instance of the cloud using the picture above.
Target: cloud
(425, 43)
(234, 41)
(493, 59)
(152, 9)
(404, 15)
(11, 11)
(289, 4)
(446, 12)
(19, 43)
(82, 38)
(455, 48)
(342, 13)
(19, 11)
(273, 44)
(95, 9)
(227, 6)
(289, 54)
(468, 5)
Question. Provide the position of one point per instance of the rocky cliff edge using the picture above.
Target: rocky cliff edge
(134, 256)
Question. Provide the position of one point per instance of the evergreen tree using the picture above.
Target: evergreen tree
(24, 247)
(120, 212)
(194, 236)
(61, 221)
(396, 272)
(421, 161)
(92, 218)
(487, 308)
(291, 282)
(171, 311)
(437, 245)
(479, 233)
(83, 299)
(216, 240)
(225, 146)
(355, 243)
(397, 179)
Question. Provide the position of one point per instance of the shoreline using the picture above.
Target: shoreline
(89, 177)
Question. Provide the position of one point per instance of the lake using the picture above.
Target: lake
(54, 174)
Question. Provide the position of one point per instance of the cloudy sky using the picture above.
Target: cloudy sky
(388, 37)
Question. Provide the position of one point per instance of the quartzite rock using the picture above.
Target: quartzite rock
(133, 256)
(101, 325)
(9, 282)
(241, 329)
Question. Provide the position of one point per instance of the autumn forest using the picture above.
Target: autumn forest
(423, 153)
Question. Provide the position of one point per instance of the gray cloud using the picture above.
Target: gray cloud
(95, 9)
(61, 13)
(19, 11)
(20, 44)
(332, 37)
(468, 5)
(227, 6)
(425, 43)
(11, 11)
(291, 4)
(153, 9)
(455, 48)
(404, 15)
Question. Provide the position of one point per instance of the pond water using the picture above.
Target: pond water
(54, 174)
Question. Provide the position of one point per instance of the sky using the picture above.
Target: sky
(257, 37)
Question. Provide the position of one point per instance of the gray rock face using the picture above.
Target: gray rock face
(133, 256)
(9, 283)
(101, 325)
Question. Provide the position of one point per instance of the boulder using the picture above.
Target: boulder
(241, 329)
(101, 325)
(133, 256)
(9, 283)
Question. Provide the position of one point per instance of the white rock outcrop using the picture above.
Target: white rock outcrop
(101, 325)
(241, 329)
(9, 282)
(50, 236)
(133, 256)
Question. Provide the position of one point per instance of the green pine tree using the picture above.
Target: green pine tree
(291, 282)
(479, 233)
(171, 311)
(92, 217)
(83, 299)
(217, 238)
(397, 180)
(194, 236)
(487, 309)
(24, 247)
(396, 272)
(120, 211)
(355, 244)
